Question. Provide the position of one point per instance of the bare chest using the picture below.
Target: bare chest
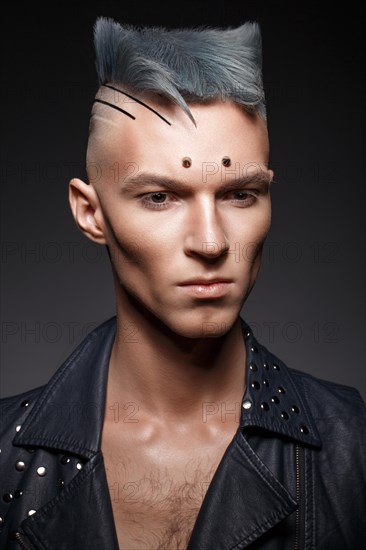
(154, 507)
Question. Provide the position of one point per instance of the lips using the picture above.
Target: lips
(204, 288)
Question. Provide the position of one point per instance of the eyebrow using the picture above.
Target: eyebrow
(147, 179)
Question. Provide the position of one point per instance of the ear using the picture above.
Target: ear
(85, 207)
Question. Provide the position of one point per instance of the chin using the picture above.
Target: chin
(203, 326)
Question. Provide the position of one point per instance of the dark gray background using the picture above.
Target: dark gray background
(308, 305)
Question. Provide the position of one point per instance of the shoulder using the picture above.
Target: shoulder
(336, 412)
(327, 398)
(14, 409)
(339, 413)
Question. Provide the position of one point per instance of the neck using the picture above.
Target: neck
(169, 376)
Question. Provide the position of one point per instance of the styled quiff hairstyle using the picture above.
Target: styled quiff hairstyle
(183, 65)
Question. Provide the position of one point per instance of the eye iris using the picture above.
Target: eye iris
(158, 197)
(241, 194)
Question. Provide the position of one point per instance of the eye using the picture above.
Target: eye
(157, 200)
(243, 198)
(158, 197)
(241, 195)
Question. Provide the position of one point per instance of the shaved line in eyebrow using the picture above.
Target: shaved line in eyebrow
(137, 101)
(146, 179)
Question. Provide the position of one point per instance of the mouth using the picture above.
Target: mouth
(205, 281)
(207, 288)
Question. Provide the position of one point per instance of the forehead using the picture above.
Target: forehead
(222, 129)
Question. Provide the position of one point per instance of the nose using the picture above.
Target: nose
(205, 234)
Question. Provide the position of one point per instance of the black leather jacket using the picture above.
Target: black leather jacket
(293, 477)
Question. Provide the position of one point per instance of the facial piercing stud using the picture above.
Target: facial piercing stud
(186, 162)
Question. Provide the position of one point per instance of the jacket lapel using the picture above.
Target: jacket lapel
(243, 501)
(79, 517)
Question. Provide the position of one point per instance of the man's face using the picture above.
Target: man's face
(167, 225)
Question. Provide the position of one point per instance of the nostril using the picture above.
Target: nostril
(213, 249)
(210, 248)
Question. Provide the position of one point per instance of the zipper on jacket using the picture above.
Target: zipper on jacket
(298, 489)
(21, 540)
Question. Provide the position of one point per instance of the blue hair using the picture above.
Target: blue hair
(183, 65)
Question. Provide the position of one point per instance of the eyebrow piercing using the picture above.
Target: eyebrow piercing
(186, 162)
(226, 161)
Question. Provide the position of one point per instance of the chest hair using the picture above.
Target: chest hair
(157, 509)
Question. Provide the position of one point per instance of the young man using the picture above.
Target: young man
(170, 426)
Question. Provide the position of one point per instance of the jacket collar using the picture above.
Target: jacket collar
(274, 399)
(69, 412)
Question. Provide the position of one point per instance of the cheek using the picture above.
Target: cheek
(136, 250)
(124, 239)
(262, 226)
(251, 231)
